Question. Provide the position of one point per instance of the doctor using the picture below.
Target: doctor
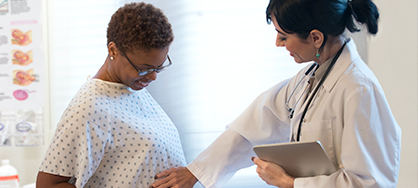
(336, 99)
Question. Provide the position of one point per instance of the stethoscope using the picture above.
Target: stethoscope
(310, 72)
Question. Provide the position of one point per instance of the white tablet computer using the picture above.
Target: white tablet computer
(298, 159)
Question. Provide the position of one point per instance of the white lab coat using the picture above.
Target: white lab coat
(349, 116)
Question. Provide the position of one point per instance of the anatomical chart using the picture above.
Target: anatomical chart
(21, 73)
(21, 59)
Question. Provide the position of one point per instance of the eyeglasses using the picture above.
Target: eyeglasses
(160, 68)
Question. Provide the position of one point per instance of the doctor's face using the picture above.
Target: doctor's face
(300, 49)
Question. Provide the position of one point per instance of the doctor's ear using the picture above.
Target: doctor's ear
(317, 37)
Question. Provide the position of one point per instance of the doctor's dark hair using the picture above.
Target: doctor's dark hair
(331, 17)
(139, 26)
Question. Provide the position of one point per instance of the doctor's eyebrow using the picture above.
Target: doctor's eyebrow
(280, 32)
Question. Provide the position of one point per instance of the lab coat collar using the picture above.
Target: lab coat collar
(348, 55)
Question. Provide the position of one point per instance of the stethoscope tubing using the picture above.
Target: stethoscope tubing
(317, 88)
(308, 72)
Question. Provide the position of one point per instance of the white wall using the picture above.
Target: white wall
(392, 55)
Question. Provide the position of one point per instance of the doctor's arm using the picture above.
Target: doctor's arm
(232, 150)
(214, 166)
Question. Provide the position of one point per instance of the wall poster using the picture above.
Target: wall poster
(21, 73)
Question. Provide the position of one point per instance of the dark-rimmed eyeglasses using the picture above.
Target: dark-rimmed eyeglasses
(141, 72)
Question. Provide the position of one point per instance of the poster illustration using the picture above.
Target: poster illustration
(21, 73)
(21, 59)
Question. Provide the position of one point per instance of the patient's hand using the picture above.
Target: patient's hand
(179, 177)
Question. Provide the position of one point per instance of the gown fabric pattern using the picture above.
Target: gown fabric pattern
(113, 136)
(350, 116)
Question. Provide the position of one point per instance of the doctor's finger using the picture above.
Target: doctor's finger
(173, 177)
(167, 182)
(164, 181)
(165, 173)
(161, 183)
(260, 163)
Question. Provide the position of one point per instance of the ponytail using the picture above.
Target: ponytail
(365, 12)
(331, 17)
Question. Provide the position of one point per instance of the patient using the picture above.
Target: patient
(113, 133)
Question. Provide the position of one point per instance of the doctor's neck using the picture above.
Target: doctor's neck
(331, 47)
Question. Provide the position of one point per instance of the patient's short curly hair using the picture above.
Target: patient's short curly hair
(139, 26)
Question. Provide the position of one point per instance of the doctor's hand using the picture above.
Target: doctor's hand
(179, 177)
(273, 174)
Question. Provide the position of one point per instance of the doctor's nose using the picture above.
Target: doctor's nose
(279, 42)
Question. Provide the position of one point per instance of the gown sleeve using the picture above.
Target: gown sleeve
(80, 140)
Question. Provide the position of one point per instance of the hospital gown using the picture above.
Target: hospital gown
(113, 136)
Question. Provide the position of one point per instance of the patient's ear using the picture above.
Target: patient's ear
(112, 49)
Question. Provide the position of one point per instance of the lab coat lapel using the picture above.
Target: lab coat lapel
(348, 55)
(301, 105)
(343, 62)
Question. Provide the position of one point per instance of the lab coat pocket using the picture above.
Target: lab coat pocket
(321, 131)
